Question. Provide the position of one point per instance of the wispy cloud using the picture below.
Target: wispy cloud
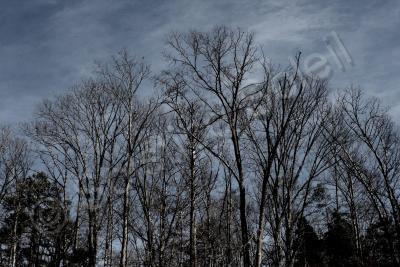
(48, 46)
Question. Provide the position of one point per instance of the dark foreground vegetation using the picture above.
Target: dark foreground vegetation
(229, 163)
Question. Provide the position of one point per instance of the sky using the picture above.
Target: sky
(48, 46)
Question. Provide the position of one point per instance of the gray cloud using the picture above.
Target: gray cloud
(49, 45)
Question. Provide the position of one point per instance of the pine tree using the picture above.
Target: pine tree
(340, 249)
(308, 245)
(36, 221)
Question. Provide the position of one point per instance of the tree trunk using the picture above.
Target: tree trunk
(76, 223)
(193, 260)
(261, 220)
(92, 237)
(124, 244)
(243, 204)
(229, 223)
(108, 245)
(14, 244)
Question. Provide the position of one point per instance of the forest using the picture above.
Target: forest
(221, 159)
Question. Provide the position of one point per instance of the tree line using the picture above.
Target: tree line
(230, 162)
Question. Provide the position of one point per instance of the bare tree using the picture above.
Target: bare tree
(15, 163)
(216, 68)
(289, 152)
(125, 76)
(233, 164)
(374, 156)
(82, 127)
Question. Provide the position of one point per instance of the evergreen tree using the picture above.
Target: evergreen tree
(379, 244)
(308, 245)
(36, 225)
(339, 243)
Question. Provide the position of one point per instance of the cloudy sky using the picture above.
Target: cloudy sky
(47, 46)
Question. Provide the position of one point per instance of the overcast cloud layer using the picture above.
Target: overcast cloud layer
(47, 46)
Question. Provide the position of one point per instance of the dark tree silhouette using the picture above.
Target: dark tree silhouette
(227, 162)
